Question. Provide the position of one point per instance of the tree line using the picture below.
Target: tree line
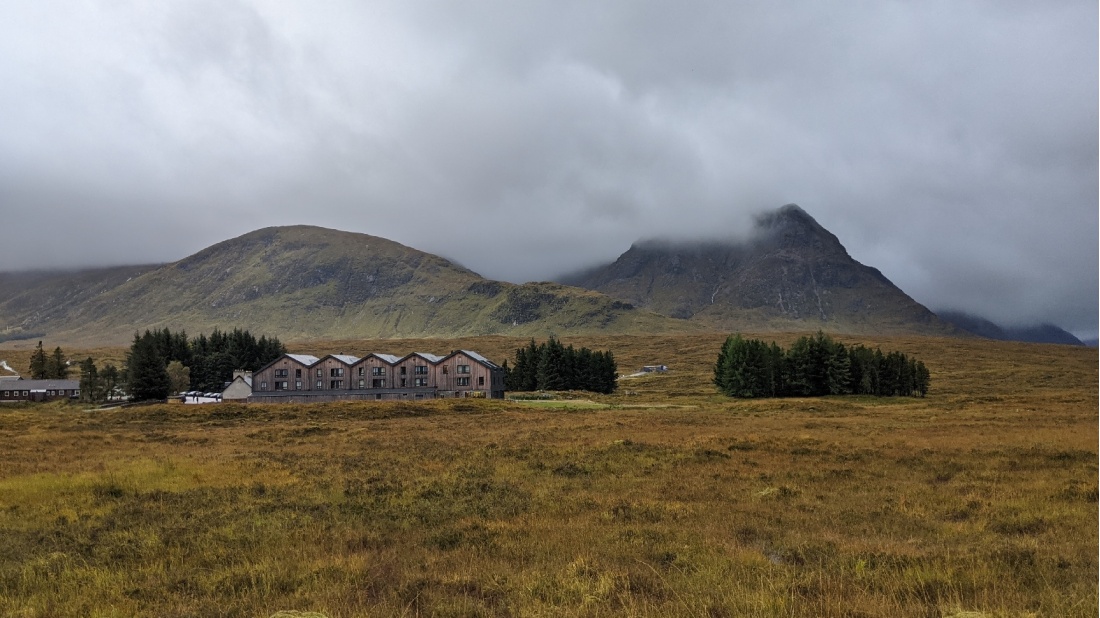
(815, 366)
(550, 366)
(161, 362)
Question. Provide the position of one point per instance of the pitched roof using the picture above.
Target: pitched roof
(479, 358)
(305, 359)
(389, 358)
(431, 358)
(347, 359)
(40, 385)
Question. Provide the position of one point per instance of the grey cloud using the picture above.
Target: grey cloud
(951, 144)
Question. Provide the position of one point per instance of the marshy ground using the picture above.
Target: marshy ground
(664, 499)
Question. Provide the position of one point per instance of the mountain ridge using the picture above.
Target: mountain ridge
(1036, 333)
(302, 282)
(307, 282)
(791, 273)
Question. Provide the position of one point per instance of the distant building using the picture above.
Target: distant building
(38, 390)
(301, 378)
(655, 369)
(240, 388)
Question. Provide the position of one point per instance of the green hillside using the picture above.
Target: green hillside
(306, 282)
(31, 298)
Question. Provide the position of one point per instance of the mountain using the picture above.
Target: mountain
(791, 273)
(1042, 333)
(307, 282)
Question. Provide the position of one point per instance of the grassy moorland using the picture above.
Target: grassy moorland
(664, 499)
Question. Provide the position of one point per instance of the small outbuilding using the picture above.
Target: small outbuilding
(240, 389)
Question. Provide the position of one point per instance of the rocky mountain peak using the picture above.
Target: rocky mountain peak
(790, 227)
(789, 271)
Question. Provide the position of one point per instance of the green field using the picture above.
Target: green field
(664, 499)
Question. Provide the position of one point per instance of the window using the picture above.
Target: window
(481, 380)
(278, 384)
(404, 382)
(420, 370)
(320, 372)
(281, 373)
(320, 384)
(297, 385)
(297, 373)
(336, 384)
(263, 386)
(463, 369)
(403, 369)
(420, 381)
(336, 372)
(362, 383)
(378, 383)
(444, 370)
(378, 371)
(462, 381)
(360, 372)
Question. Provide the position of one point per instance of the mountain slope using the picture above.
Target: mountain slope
(1042, 333)
(308, 282)
(31, 298)
(792, 273)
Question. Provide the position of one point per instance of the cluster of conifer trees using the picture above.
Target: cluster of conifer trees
(96, 385)
(550, 366)
(49, 366)
(160, 362)
(815, 366)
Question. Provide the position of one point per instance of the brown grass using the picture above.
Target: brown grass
(669, 501)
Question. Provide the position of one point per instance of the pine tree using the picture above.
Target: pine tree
(610, 373)
(530, 378)
(922, 379)
(90, 383)
(723, 367)
(513, 380)
(837, 367)
(110, 380)
(570, 381)
(146, 369)
(550, 376)
(57, 368)
(39, 364)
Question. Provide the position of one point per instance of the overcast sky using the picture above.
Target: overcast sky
(952, 145)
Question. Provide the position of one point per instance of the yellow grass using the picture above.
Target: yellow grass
(668, 500)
